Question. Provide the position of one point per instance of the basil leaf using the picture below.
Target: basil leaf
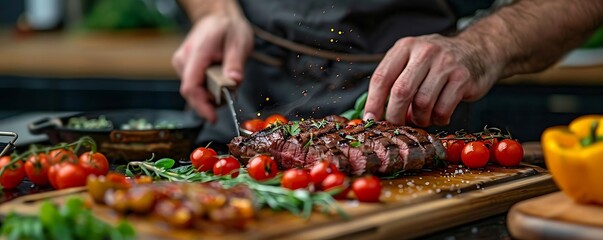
(165, 163)
(360, 102)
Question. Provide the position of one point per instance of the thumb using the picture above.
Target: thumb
(235, 53)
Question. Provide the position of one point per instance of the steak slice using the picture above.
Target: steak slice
(362, 157)
(244, 148)
(386, 150)
(305, 148)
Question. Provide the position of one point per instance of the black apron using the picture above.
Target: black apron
(308, 86)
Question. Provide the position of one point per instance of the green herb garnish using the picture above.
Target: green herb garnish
(369, 123)
(355, 144)
(310, 142)
(397, 132)
(320, 124)
(293, 129)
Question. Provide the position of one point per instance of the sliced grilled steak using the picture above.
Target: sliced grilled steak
(386, 150)
(361, 157)
(380, 148)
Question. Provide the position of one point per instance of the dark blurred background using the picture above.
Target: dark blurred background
(83, 55)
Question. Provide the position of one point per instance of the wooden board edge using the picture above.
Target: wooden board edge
(524, 226)
(418, 220)
(6, 208)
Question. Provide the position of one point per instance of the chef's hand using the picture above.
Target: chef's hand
(222, 34)
(426, 78)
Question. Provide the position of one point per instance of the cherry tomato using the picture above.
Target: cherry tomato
(320, 171)
(203, 159)
(334, 180)
(355, 122)
(475, 154)
(508, 152)
(295, 179)
(62, 155)
(262, 167)
(454, 148)
(52, 174)
(367, 189)
(12, 175)
(118, 180)
(70, 175)
(275, 119)
(94, 163)
(254, 125)
(227, 165)
(36, 169)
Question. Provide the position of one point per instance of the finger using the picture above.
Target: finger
(178, 60)
(236, 49)
(426, 97)
(383, 78)
(449, 98)
(405, 87)
(193, 85)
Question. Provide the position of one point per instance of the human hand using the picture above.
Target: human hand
(222, 35)
(426, 78)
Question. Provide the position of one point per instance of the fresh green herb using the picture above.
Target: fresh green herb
(369, 123)
(350, 137)
(397, 132)
(337, 126)
(89, 123)
(268, 193)
(293, 129)
(320, 124)
(358, 109)
(355, 144)
(310, 142)
(57, 223)
(165, 163)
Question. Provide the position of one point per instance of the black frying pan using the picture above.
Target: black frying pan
(129, 145)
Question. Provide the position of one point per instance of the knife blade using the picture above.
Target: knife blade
(222, 88)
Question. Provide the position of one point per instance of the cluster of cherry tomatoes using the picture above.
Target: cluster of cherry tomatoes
(476, 150)
(323, 176)
(258, 124)
(61, 168)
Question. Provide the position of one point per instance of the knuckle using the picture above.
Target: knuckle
(441, 115)
(185, 91)
(405, 41)
(422, 100)
(402, 91)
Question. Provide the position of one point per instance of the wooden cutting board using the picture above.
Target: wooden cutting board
(555, 216)
(411, 206)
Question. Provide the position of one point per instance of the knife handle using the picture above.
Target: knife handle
(216, 80)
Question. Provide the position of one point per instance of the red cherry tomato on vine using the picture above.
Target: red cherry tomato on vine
(203, 159)
(12, 175)
(320, 171)
(508, 152)
(334, 180)
(62, 155)
(454, 148)
(227, 165)
(367, 189)
(254, 125)
(295, 179)
(94, 163)
(275, 119)
(36, 169)
(475, 155)
(262, 167)
(70, 175)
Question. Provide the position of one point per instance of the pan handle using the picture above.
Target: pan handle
(139, 136)
(38, 127)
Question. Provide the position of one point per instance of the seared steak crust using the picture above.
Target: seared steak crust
(377, 148)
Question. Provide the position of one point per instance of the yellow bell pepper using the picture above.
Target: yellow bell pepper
(575, 158)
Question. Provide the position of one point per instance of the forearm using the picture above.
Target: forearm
(197, 9)
(529, 35)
